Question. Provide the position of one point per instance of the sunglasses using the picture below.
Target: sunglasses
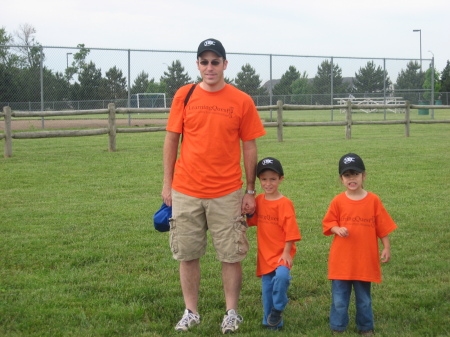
(213, 62)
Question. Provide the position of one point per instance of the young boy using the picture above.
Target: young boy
(277, 233)
(357, 219)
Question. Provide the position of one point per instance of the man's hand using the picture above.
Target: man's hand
(248, 204)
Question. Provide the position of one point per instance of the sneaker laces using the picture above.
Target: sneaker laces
(230, 319)
(187, 318)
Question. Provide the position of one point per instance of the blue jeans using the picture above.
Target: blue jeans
(341, 291)
(274, 291)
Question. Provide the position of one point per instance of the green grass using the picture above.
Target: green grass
(79, 255)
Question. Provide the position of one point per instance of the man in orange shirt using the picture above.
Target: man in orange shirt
(204, 184)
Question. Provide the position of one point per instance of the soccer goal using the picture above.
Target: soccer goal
(149, 100)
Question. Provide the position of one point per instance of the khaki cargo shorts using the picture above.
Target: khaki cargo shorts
(193, 217)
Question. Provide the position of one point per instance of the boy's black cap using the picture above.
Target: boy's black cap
(269, 163)
(351, 161)
(211, 45)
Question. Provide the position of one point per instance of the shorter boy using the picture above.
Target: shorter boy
(277, 233)
(357, 219)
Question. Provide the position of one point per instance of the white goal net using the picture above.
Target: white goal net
(149, 100)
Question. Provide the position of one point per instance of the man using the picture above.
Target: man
(204, 184)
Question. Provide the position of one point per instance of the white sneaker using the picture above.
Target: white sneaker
(231, 321)
(188, 320)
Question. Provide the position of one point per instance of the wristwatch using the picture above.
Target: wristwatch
(250, 191)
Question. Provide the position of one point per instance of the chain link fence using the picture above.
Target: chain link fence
(58, 78)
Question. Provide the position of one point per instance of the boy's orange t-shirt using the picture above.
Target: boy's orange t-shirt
(212, 125)
(277, 224)
(357, 256)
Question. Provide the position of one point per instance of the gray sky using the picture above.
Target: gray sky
(363, 28)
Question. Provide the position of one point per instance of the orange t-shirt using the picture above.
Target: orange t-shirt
(277, 224)
(356, 257)
(212, 126)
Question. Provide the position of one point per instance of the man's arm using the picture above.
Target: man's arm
(170, 151)
(250, 152)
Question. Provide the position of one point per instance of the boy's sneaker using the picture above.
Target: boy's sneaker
(274, 317)
(367, 333)
(231, 321)
(188, 320)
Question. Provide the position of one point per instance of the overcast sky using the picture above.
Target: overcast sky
(363, 28)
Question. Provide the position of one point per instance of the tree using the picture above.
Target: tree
(427, 84)
(140, 83)
(247, 81)
(56, 86)
(78, 62)
(116, 84)
(90, 82)
(284, 86)
(445, 78)
(8, 63)
(370, 79)
(300, 89)
(7, 84)
(410, 79)
(28, 46)
(7, 58)
(175, 78)
(322, 81)
(154, 87)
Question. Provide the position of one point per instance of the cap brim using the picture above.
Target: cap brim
(351, 168)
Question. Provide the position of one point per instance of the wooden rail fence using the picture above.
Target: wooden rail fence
(112, 129)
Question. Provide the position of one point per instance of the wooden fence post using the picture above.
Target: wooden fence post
(112, 127)
(8, 132)
(348, 119)
(407, 118)
(280, 120)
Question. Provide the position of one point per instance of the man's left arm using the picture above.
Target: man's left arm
(250, 154)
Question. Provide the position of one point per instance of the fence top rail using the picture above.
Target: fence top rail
(58, 113)
(267, 107)
(259, 108)
(310, 107)
(141, 110)
(231, 53)
(416, 106)
(366, 98)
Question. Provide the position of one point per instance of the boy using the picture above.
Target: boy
(277, 233)
(357, 219)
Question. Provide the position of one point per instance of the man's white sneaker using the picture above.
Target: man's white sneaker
(188, 320)
(231, 321)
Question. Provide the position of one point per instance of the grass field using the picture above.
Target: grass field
(79, 255)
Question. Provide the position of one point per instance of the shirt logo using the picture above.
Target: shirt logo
(348, 160)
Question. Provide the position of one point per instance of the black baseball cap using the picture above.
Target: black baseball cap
(211, 45)
(351, 161)
(269, 163)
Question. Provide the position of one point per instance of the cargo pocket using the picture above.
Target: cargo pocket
(241, 236)
(173, 236)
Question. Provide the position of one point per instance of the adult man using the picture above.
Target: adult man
(204, 184)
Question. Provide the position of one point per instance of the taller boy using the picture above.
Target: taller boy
(204, 184)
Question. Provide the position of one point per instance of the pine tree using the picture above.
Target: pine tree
(370, 79)
(248, 81)
(175, 78)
